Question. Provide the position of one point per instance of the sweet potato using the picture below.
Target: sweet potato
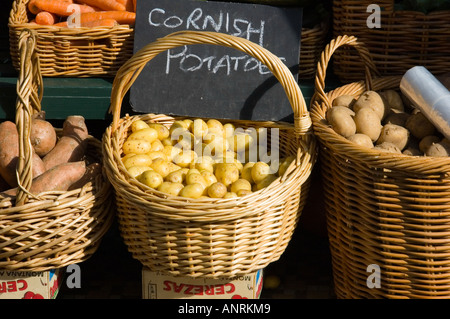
(71, 146)
(92, 171)
(43, 136)
(58, 178)
(9, 154)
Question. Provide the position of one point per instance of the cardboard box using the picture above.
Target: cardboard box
(160, 286)
(30, 284)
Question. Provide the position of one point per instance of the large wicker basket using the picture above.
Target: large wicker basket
(404, 40)
(384, 210)
(209, 237)
(52, 229)
(72, 52)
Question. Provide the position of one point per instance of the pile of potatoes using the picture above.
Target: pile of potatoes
(196, 158)
(386, 120)
(59, 160)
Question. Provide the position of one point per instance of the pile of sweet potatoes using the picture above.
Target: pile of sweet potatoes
(59, 161)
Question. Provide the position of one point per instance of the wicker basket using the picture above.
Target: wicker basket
(383, 209)
(405, 39)
(311, 46)
(53, 229)
(72, 52)
(209, 237)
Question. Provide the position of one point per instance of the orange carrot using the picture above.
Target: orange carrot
(122, 17)
(134, 5)
(46, 18)
(106, 5)
(91, 24)
(129, 5)
(32, 7)
(61, 7)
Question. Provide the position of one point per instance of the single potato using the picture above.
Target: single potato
(395, 134)
(341, 120)
(361, 140)
(217, 190)
(150, 178)
(171, 188)
(373, 100)
(368, 123)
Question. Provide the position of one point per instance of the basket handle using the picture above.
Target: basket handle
(29, 96)
(129, 71)
(325, 57)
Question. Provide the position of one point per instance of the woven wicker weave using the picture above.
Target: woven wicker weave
(383, 209)
(52, 229)
(405, 39)
(209, 237)
(311, 46)
(74, 52)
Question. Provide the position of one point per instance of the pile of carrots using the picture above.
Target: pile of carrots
(92, 12)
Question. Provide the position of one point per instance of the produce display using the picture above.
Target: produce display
(201, 158)
(59, 161)
(387, 121)
(92, 13)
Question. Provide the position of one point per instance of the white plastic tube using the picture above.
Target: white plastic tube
(429, 95)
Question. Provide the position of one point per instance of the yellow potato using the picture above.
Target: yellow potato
(136, 147)
(185, 141)
(192, 191)
(147, 134)
(157, 154)
(188, 123)
(161, 166)
(199, 128)
(228, 129)
(171, 188)
(185, 158)
(195, 178)
(285, 165)
(260, 171)
(138, 160)
(150, 178)
(239, 185)
(157, 146)
(138, 125)
(230, 195)
(168, 142)
(173, 167)
(243, 192)
(138, 170)
(163, 131)
(177, 176)
(240, 141)
(204, 163)
(214, 125)
(226, 173)
(209, 177)
(125, 157)
(170, 151)
(266, 181)
(247, 172)
(218, 145)
(217, 190)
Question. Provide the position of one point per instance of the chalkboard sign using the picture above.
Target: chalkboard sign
(214, 81)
